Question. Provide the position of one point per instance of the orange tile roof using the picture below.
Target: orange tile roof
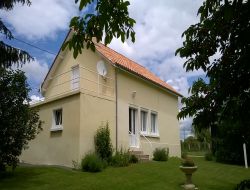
(124, 62)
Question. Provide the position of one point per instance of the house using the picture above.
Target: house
(98, 87)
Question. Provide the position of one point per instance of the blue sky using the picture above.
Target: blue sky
(158, 34)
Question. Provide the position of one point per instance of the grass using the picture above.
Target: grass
(144, 176)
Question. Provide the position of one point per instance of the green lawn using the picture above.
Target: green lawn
(146, 176)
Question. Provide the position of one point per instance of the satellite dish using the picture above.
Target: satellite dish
(101, 68)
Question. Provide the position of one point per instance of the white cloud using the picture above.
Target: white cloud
(185, 127)
(44, 18)
(158, 34)
(35, 71)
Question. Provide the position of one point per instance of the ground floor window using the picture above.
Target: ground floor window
(154, 129)
(132, 120)
(57, 120)
(144, 121)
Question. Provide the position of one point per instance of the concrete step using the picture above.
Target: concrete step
(139, 154)
(136, 152)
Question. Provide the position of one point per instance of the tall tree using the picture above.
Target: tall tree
(110, 18)
(18, 122)
(9, 54)
(219, 45)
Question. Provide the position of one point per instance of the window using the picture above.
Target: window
(132, 120)
(154, 129)
(144, 118)
(75, 78)
(57, 120)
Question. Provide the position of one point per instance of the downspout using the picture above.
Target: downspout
(116, 111)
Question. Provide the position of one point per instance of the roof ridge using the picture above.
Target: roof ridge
(99, 43)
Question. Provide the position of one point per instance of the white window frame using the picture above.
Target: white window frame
(57, 127)
(145, 132)
(75, 77)
(156, 132)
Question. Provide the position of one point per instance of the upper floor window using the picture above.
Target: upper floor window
(154, 128)
(144, 119)
(75, 78)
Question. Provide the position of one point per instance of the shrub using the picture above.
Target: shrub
(92, 163)
(120, 159)
(103, 145)
(187, 162)
(133, 159)
(209, 156)
(243, 185)
(160, 154)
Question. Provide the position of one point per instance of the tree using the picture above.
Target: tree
(18, 122)
(9, 54)
(109, 19)
(219, 45)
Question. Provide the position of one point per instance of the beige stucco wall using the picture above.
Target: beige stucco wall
(151, 98)
(95, 111)
(58, 147)
(97, 101)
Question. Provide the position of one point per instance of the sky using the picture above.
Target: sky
(159, 26)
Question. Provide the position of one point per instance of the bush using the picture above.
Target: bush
(133, 159)
(208, 156)
(92, 163)
(243, 185)
(103, 145)
(120, 159)
(160, 154)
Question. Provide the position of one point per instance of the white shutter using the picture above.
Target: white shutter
(75, 78)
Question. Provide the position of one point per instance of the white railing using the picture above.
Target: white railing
(88, 81)
(146, 139)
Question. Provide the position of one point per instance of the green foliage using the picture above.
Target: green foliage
(109, 19)
(103, 145)
(133, 159)
(228, 142)
(120, 159)
(92, 163)
(10, 55)
(223, 33)
(187, 162)
(243, 185)
(160, 154)
(208, 156)
(18, 122)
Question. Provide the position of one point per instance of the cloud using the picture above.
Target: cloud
(35, 99)
(185, 127)
(158, 34)
(44, 18)
(35, 71)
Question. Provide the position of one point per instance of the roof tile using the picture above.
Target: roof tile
(120, 60)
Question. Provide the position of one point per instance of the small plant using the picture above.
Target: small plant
(187, 162)
(76, 165)
(120, 159)
(184, 155)
(103, 145)
(92, 163)
(243, 185)
(160, 154)
(208, 156)
(133, 159)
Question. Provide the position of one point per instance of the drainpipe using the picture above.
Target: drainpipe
(116, 111)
